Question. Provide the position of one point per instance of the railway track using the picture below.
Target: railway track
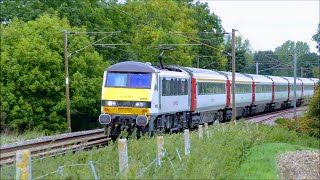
(263, 118)
(51, 145)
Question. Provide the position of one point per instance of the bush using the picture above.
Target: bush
(308, 123)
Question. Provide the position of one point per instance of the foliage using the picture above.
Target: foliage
(154, 20)
(218, 156)
(242, 52)
(6, 138)
(282, 58)
(312, 118)
(32, 76)
(308, 62)
(310, 122)
(264, 60)
(210, 31)
(285, 54)
(316, 38)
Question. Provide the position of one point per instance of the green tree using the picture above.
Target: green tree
(285, 54)
(266, 64)
(32, 75)
(210, 31)
(316, 38)
(309, 63)
(154, 20)
(242, 52)
(21, 9)
(94, 15)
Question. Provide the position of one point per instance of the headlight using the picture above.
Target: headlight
(109, 103)
(140, 104)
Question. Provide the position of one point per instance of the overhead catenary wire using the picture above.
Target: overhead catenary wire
(76, 32)
(273, 67)
(263, 54)
(88, 45)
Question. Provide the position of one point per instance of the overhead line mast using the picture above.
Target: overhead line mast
(66, 65)
(233, 77)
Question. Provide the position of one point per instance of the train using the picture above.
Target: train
(148, 98)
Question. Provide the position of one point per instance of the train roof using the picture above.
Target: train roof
(316, 80)
(307, 81)
(260, 78)
(133, 66)
(291, 80)
(239, 77)
(278, 79)
(205, 73)
(168, 73)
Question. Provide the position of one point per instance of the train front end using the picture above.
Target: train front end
(127, 92)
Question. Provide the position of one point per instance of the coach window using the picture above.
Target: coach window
(219, 88)
(308, 87)
(258, 88)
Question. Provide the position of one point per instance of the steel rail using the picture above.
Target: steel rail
(274, 115)
(54, 144)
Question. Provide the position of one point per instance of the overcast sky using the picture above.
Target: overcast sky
(268, 24)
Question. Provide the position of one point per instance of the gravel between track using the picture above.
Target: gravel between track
(299, 165)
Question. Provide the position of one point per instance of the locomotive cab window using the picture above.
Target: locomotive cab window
(128, 80)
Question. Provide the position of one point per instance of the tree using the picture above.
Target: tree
(92, 14)
(316, 38)
(210, 31)
(285, 54)
(264, 58)
(310, 65)
(32, 75)
(242, 53)
(153, 22)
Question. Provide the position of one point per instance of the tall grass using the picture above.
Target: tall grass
(7, 138)
(218, 156)
(261, 162)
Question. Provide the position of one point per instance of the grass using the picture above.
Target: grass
(222, 155)
(15, 137)
(262, 163)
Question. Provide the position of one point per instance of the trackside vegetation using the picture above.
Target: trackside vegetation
(228, 153)
(14, 137)
(309, 123)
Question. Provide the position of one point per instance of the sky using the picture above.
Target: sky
(268, 24)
